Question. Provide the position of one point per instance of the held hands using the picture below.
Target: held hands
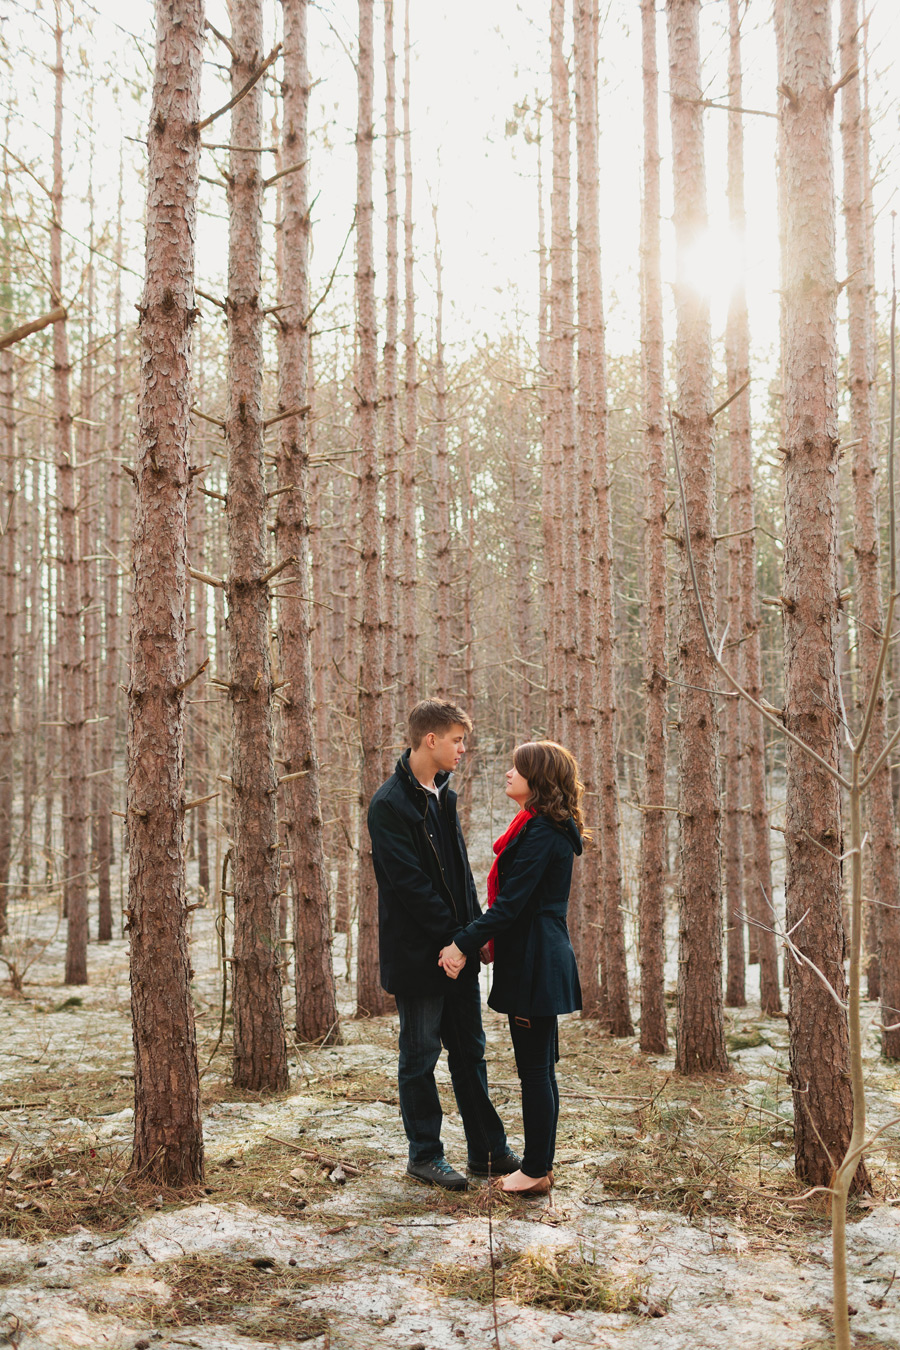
(451, 960)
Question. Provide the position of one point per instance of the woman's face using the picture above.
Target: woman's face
(517, 787)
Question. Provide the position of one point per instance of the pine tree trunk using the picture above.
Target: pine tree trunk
(391, 407)
(653, 857)
(818, 1028)
(596, 619)
(168, 1139)
(370, 996)
(467, 790)
(735, 977)
(560, 510)
(8, 620)
(737, 373)
(316, 1007)
(864, 432)
(88, 535)
(51, 699)
(409, 622)
(71, 655)
(745, 624)
(110, 673)
(700, 1040)
(550, 458)
(520, 509)
(32, 649)
(260, 1051)
(443, 626)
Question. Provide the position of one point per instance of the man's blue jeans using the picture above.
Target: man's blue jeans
(451, 1019)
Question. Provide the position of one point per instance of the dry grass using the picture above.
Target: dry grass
(258, 1298)
(65, 1186)
(567, 1281)
(64, 1093)
(696, 1146)
(861, 1341)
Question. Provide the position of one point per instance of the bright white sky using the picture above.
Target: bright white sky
(473, 60)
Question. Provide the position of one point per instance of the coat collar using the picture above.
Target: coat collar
(569, 830)
(415, 788)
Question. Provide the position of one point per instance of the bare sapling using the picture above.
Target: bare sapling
(854, 783)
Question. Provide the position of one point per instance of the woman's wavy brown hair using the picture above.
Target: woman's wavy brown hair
(554, 787)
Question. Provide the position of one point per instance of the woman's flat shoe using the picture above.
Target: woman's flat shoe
(539, 1186)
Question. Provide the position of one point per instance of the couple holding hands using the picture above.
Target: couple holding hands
(432, 935)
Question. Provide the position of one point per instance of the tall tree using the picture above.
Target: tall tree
(409, 624)
(737, 361)
(653, 860)
(391, 406)
(71, 653)
(864, 432)
(756, 858)
(369, 995)
(8, 622)
(559, 446)
(260, 1051)
(596, 619)
(316, 1006)
(168, 1138)
(818, 1027)
(700, 1039)
(442, 549)
(112, 638)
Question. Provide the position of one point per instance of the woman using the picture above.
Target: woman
(535, 976)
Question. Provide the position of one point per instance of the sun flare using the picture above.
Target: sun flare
(714, 265)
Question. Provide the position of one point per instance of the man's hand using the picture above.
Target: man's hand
(451, 960)
(485, 954)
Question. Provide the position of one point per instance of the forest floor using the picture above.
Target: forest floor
(674, 1221)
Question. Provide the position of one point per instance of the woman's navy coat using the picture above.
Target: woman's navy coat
(535, 974)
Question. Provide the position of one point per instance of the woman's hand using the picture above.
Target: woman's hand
(451, 960)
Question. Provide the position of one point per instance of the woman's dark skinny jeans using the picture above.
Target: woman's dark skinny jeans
(536, 1054)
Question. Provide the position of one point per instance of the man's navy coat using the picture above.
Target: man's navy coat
(417, 913)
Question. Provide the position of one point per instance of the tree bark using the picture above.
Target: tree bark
(8, 620)
(315, 1003)
(756, 864)
(409, 623)
(700, 1039)
(818, 1028)
(260, 1052)
(370, 996)
(864, 433)
(88, 535)
(653, 857)
(391, 407)
(596, 618)
(168, 1139)
(443, 625)
(737, 362)
(112, 639)
(71, 654)
(32, 647)
(561, 527)
(466, 789)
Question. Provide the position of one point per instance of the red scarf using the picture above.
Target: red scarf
(515, 826)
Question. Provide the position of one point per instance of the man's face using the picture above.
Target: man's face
(447, 748)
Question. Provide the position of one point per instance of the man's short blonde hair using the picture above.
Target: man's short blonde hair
(437, 715)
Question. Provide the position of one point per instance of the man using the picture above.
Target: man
(426, 894)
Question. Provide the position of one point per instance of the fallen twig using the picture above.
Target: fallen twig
(326, 1159)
